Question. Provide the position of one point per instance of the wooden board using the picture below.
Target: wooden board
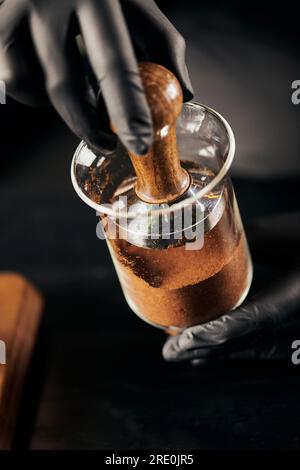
(20, 311)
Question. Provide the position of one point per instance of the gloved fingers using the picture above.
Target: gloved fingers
(112, 57)
(270, 310)
(22, 75)
(271, 353)
(13, 12)
(155, 35)
(206, 339)
(19, 66)
(66, 82)
(267, 344)
(258, 344)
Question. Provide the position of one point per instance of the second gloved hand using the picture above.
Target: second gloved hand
(266, 325)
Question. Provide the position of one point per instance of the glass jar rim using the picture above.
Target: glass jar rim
(107, 209)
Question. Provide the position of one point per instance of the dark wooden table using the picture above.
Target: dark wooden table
(99, 382)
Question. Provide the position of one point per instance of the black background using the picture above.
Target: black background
(98, 380)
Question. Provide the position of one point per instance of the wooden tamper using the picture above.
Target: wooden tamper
(160, 176)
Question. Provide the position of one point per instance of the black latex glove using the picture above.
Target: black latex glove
(265, 325)
(40, 59)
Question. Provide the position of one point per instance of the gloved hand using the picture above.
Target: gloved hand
(40, 59)
(265, 325)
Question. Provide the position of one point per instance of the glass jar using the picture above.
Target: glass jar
(182, 263)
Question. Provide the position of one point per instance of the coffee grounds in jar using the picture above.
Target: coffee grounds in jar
(178, 287)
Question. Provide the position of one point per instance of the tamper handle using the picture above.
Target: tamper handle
(160, 177)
